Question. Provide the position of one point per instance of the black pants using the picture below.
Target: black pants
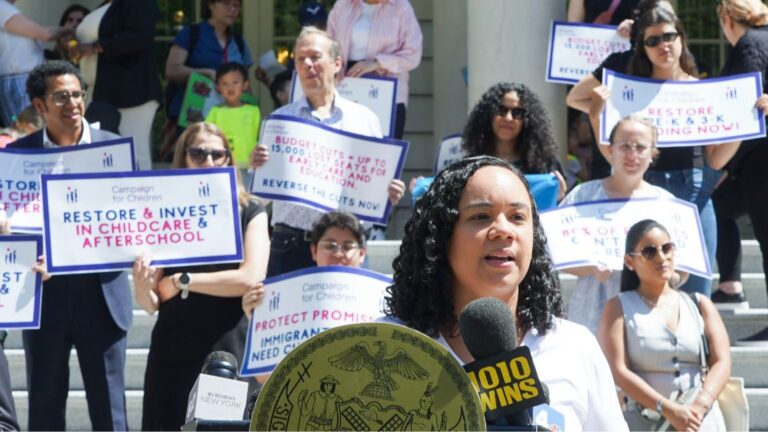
(8, 420)
(399, 122)
(743, 194)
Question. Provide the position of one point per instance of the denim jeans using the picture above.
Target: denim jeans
(694, 185)
(13, 97)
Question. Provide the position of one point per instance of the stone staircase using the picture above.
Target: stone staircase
(750, 363)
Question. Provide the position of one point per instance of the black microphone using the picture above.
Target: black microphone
(503, 373)
(221, 364)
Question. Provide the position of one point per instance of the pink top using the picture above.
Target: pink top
(394, 41)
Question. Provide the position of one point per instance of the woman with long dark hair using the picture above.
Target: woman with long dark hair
(651, 335)
(476, 233)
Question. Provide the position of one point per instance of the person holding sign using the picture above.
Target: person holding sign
(632, 149)
(652, 337)
(381, 38)
(197, 305)
(92, 311)
(686, 172)
(8, 419)
(338, 239)
(744, 24)
(476, 233)
(318, 63)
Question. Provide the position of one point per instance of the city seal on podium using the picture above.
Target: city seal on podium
(373, 376)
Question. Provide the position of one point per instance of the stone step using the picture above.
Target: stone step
(77, 410)
(135, 364)
(742, 323)
(139, 335)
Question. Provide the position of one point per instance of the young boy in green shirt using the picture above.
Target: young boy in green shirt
(239, 121)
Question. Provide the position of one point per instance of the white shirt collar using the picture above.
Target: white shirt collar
(85, 137)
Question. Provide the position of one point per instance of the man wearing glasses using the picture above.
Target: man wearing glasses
(91, 312)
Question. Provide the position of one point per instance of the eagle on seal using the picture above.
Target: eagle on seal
(382, 367)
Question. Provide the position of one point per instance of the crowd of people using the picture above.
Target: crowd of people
(475, 232)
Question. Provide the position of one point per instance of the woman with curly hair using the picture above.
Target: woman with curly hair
(476, 233)
(511, 123)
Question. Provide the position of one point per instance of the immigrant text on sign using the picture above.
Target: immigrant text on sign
(303, 303)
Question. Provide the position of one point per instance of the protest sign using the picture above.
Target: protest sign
(20, 287)
(594, 233)
(576, 49)
(20, 179)
(200, 96)
(377, 93)
(687, 113)
(303, 303)
(328, 169)
(98, 222)
(448, 151)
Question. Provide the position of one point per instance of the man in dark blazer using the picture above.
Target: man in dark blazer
(91, 312)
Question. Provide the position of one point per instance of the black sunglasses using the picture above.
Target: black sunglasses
(667, 37)
(200, 154)
(517, 113)
(649, 252)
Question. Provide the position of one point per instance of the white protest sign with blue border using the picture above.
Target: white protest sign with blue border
(99, 222)
(687, 113)
(377, 93)
(576, 49)
(21, 292)
(327, 169)
(594, 233)
(301, 304)
(448, 151)
(20, 177)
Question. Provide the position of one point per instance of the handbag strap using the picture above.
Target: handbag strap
(694, 305)
(607, 15)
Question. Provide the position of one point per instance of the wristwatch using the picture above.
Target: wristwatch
(184, 285)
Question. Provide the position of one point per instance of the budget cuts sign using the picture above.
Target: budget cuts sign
(21, 170)
(327, 169)
(301, 304)
(96, 222)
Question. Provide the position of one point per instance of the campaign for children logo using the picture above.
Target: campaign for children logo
(304, 303)
(108, 160)
(176, 217)
(576, 49)
(316, 166)
(20, 199)
(375, 92)
(687, 113)
(20, 286)
(594, 233)
(448, 151)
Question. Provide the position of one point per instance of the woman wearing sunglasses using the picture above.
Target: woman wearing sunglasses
(511, 123)
(651, 335)
(630, 153)
(198, 305)
(687, 172)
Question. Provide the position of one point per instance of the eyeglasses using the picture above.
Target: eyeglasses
(61, 98)
(649, 252)
(200, 154)
(331, 247)
(642, 150)
(517, 112)
(654, 41)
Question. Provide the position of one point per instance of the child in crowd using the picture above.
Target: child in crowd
(239, 121)
(28, 121)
